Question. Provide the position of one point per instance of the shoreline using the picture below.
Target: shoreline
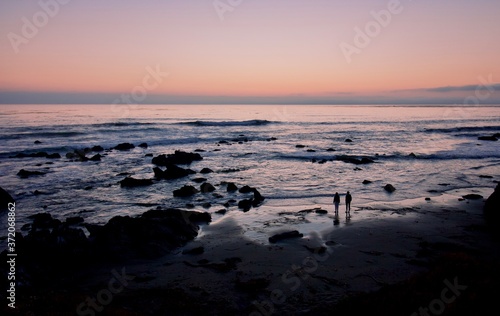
(381, 246)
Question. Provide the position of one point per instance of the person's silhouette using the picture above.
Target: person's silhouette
(348, 199)
(336, 203)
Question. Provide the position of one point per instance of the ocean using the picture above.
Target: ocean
(421, 150)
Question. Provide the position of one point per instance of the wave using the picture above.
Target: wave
(463, 129)
(228, 123)
(36, 134)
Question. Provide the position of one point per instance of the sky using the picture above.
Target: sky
(250, 51)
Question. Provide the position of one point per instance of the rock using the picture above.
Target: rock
(330, 149)
(130, 182)
(427, 198)
(389, 188)
(354, 160)
(412, 155)
(285, 235)
(97, 149)
(311, 151)
(96, 157)
(199, 180)
(143, 145)
(488, 138)
(200, 217)
(177, 158)
(53, 156)
(300, 146)
(199, 151)
(257, 198)
(206, 171)
(492, 208)
(148, 155)
(231, 187)
(5, 199)
(321, 211)
(472, 197)
(348, 140)
(207, 205)
(485, 177)
(26, 173)
(37, 142)
(366, 160)
(230, 170)
(185, 191)
(124, 146)
(194, 251)
(221, 211)
(245, 189)
(245, 205)
(172, 172)
(43, 221)
(74, 220)
(207, 187)
(366, 182)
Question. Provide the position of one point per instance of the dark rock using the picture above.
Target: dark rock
(200, 217)
(36, 192)
(389, 188)
(257, 198)
(37, 142)
(223, 142)
(207, 187)
(124, 146)
(330, 149)
(26, 173)
(5, 199)
(148, 155)
(357, 169)
(485, 177)
(96, 157)
(231, 187)
(492, 208)
(88, 188)
(199, 151)
(132, 183)
(97, 149)
(427, 198)
(300, 146)
(26, 227)
(143, 145)
(199, 180)
(189, 205)
(185, 191)
(221, 211)
(311, 151)
(245, 189)
(321, 211)
(230, 170)
(314, 160)
(178, 158)
(286, 235)
(206, 170)
(488, 138)
(412, 155)
(42, 220)
(245, 205)
(348, 140)
(172, 172)
(194, 251)
(53, 156)
(207, 205)
(322, 161)
(366, 160)
(366, 182)
(74, 220)
(472, 197)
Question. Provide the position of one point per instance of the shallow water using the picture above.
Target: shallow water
(444, 139)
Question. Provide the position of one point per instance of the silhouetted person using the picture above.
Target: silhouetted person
(348, 199)
(336, 202)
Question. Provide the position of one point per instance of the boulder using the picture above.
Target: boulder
(492, 208)
(285, 235)
(74, 220)
(96, 157)
(143, 145)
(231, 187)
(473, 196)
(97, 149)
(178, 158)
(389, 188)
(130, 182)
(245, 205)
(185, 191)
(37, 142)
(348, 140)
(199, 180)
(366, 182)
(26, 173)
(245, 189)
(488, 138)
(207, 187)
(124, 146)
(206, 171)
(257, 198)
(172, 172)
(300, 146)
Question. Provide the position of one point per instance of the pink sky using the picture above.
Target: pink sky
(267, 49)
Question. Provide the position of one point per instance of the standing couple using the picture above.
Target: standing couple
(336, 202)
